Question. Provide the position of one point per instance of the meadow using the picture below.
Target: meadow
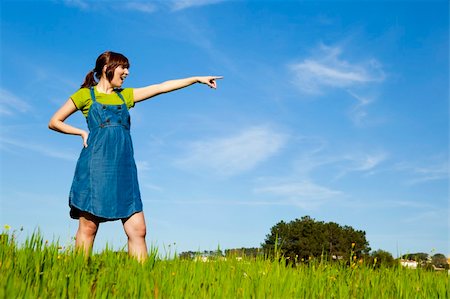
(41, 269)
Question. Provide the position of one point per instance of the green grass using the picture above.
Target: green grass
(39, 270)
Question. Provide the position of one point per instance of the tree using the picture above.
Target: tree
(439, 261)
(382, 258)
(305, 238)
(244, 252)
(187, 255)
(420, 257)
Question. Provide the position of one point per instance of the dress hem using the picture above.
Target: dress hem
(75, 214)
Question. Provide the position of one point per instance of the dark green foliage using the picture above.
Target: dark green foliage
(440, 261)
(305, 238)
(190, 255)
(187, 255)
(418, 257)
(380, 258)
(244, 252)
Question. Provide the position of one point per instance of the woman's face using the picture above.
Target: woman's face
(120, 73)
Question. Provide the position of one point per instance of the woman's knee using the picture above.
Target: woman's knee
(88, 226)
(136, 231)
(135, 226)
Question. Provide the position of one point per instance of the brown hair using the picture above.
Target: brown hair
(112, 60)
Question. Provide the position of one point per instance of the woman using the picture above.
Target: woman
(105, 185)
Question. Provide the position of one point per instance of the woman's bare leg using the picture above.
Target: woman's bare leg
(135, 229)
(87, 230)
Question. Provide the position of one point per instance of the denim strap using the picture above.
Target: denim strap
(121, 97)
(92, 94)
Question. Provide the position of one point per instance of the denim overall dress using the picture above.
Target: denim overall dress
(105, 183)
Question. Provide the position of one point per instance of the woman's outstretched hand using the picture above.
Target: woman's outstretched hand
(144, 93)
(209, 80)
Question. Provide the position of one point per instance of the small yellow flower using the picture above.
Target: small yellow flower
(353, 245)
(7, 227)
(173, 273)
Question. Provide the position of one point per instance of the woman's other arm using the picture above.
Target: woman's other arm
(57, 121)
(147, 92)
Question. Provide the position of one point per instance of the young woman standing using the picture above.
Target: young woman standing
(105, 185)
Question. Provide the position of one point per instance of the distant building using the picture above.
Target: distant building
(408, 264)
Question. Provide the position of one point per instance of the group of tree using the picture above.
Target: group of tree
(245, 252)
(189, 255)
(380, 258)
(423, 259)
(306, 238)
(235, 252)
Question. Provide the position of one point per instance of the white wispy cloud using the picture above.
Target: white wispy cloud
(184, 4)
(341, 163)
(424, 216)
(142, 165)
(81, 4)
(144, 7)
(224, 202)
(10, 104)
(314, 74)
(234, 154)
(358, 113)
(400, 204)
(361, 162)
(436, 168)
(139, 6)
(152, 187)
(45, 150)
(305, 194)
(430, 173)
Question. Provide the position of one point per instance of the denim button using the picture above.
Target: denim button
(119, 107)
(104, 107)
(107, 120)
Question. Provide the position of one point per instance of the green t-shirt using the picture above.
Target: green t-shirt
(82, 98)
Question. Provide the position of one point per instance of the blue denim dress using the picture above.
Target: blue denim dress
(105, 182)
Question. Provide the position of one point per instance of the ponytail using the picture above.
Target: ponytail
(89, 81)
(109, 59)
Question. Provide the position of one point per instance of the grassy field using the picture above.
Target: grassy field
(38, 269)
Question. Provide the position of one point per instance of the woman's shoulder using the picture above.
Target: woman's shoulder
(82, 92)
(126, 92)
(128, 95)
(81, 97)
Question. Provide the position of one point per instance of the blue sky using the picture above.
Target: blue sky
(333, 109)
